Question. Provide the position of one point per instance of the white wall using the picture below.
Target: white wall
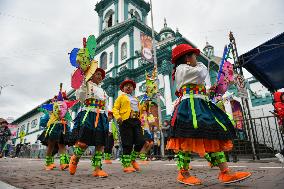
(161, 81)
(259, 89)
(108, 51)
(256, 111)
(109, 74)
(137, 44)
(35, 117)
(137, 92)
(120, 11)
(136, 63)
(30, 137)
(146, 20)
(122, 40)
(262, 110)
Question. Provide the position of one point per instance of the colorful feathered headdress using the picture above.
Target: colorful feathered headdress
(83, 60)
(58, 108)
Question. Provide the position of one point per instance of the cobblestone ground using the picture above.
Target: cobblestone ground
(29, 173)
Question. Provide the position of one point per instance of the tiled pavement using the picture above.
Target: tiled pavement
(29, 173)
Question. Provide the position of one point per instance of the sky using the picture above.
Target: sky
(36, 37)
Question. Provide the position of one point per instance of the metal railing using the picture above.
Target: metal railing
(259, 138)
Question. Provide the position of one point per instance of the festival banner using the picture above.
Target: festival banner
(146, 47)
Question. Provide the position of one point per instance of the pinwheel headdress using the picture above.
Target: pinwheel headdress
(59, 105)
(83, 60)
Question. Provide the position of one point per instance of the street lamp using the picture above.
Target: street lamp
(3, 86)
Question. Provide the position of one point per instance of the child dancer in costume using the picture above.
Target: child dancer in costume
(91, 124)
(279, 112)
(112, 136)
(126, 112)
(148, 136)
(57, 131)
(199, 126)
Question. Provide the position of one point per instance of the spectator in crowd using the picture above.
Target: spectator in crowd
(18, 149)
(165, 130)
(117, 150)
(166, 133)
(5, 134)
(157, 142)
(7, 148)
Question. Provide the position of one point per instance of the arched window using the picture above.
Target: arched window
(123, 51)
(103, 61)
(110, 57)
(109, 22)
(108, 18)
(136, 14)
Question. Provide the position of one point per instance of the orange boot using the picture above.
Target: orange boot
(49, 163)
(64, 161)
(100, 173)
(126, 162)
(210, 165)
(73, 164)
(107, 161)
(135, 165)
(227, 177)
(185, 178)
(49, 167)
(107, 158)
(64, 166)
(97, 164)
(143, 159)
(53, 165)
(128, 169)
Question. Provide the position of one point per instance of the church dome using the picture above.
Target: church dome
(166, 32)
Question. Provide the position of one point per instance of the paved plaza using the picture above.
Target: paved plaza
(29, 174)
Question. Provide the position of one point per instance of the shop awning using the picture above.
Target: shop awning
(266, 63)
